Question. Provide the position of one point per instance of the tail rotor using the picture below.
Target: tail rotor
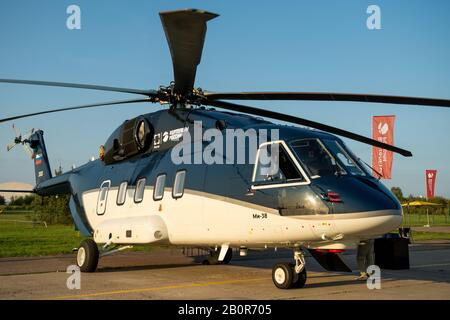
(23, 140)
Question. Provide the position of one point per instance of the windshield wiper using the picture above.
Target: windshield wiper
(379, 174)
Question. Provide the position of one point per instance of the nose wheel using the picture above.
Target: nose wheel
(288, 275)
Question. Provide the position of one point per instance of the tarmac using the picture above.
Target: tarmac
(168, 274)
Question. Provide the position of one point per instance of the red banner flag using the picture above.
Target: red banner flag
(383, 131)
(431, 181)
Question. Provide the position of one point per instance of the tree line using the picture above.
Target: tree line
(397, 191)
(51, 209)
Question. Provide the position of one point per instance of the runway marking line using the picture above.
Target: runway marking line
(431, 265)
(182, 286)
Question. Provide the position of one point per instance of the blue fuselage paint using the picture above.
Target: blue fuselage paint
(358, 193)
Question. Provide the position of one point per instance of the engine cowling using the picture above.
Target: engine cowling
(131, 138)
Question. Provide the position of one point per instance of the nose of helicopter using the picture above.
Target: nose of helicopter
(374, 223)
(361, 206)
(356, 194)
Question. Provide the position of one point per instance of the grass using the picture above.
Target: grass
(421, 236)
(419, 220)
(20, 239)
(25, 239)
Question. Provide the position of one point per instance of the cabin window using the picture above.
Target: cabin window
(276, 167)
(158, 192)
(178, 184)
(102, 197)
(122, 193)
(140, 189)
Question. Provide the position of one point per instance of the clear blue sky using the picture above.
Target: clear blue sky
(253, 45)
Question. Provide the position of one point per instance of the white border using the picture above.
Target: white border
(280, 185)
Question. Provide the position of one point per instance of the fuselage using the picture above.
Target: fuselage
(221, 202)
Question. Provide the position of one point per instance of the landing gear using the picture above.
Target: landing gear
(283, 275)
(213, 257)
(289, 275)
(87, 256)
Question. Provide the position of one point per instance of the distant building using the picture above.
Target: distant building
(14, 186)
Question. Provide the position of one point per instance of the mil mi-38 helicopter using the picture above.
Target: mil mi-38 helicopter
(322, 198)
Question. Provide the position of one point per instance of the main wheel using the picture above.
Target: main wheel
(87, 256)
(300, 278)
(283, 275)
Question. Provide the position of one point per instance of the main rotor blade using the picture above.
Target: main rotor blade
(102, 104)
(328, 96)
(185, 32)
(80, 86)
(304, 122)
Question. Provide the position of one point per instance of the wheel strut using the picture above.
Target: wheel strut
(299, 258)
(289, 275)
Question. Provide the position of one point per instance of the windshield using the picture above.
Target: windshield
(319, 158)
(275, 165)
(343, 156)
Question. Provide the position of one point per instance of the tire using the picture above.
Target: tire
(283, 275)
(87, 256)
(299, 279)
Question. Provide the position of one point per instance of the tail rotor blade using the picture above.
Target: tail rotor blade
(10, 146)
(29, 133)
(28, 151)
(16, 131)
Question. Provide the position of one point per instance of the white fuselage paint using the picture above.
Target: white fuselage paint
(202, 219)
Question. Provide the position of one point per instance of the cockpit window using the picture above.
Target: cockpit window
(325, 158)
(317, 159)
(275, 166)
(344, 158)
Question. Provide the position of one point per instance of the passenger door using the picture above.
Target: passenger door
(103, 197)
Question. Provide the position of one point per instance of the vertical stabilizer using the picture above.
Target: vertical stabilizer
(40, 157)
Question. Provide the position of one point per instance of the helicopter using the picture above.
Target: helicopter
(319, 197)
